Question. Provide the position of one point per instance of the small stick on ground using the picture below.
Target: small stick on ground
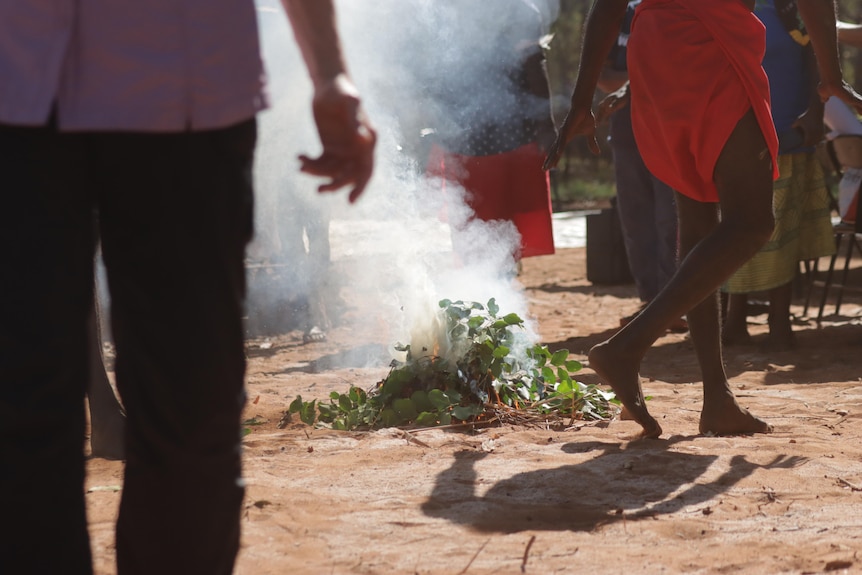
(410, 439)
(464, 570)
(527, 554)
(852, 486)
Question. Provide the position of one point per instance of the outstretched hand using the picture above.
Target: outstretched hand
(844, 92)
(347, 137)
(579, 122)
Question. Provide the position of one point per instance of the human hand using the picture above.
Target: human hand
(547, 134)
(811, 125)
(579, 121)
(843, 91)
(346, 135)
(613, 102)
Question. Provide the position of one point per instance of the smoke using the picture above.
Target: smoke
(423, 68)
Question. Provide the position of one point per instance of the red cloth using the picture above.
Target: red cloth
(510, 186)
(695, 70)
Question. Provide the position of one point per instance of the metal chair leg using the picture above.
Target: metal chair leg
(827, 283)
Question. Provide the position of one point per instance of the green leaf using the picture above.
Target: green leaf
(426, 419)
(439, 399)
(548, 375)
(389, 418)
(559, 357)
(496, 369)
(572, 366)
(501, 351)
(512, 319)
(493, 308)
(421, 401)
(405, 409)
(465, 412)
(344, 403)
(357, 395)
(563, 375)
(308, 412)
(295, 405)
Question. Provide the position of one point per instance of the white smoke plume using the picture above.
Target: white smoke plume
(402, 54)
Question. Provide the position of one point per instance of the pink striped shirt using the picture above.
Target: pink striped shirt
(154, 65)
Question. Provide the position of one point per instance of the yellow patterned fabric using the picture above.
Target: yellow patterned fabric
(803, 227)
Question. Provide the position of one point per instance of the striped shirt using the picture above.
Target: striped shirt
(154, 66)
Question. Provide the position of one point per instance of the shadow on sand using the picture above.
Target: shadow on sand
(641, 480)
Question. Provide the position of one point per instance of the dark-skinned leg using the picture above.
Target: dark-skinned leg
(735, 328)
(781, 336)
(743, 175)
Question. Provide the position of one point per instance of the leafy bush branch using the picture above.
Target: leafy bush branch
(489, 375)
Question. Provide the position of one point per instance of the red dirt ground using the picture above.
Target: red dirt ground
(517, 500)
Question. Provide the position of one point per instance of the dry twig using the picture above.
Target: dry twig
(527, 554)
(464, 570)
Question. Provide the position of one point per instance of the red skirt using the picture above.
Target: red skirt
(695, 70)
(510, 186)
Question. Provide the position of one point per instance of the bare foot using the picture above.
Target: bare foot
(621, 374)
(781, 337)
(780, 342)
(724, 416)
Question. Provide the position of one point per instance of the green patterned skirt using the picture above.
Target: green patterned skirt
(803, 227)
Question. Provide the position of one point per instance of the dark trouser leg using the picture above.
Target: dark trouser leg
(107, 422)
(46, 254)
(648, 219)
(176, 214)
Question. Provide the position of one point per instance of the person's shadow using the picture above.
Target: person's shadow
(644, 480)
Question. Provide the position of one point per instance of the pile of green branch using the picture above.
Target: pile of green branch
(488, 375)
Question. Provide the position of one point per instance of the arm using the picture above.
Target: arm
(346, 135)
(602, 29)
(819, 18)
(811, 121)
(536, 75)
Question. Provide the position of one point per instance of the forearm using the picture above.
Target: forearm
(313, 23)
(819, 18)
(602, 29)
(815, 104)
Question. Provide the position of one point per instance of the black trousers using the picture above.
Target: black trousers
(175, 215)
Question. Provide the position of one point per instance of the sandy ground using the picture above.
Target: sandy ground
(592, 499)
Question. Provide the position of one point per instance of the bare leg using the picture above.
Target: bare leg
(107, 422)
(735, 328)
(781, 336)
(712, 251)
